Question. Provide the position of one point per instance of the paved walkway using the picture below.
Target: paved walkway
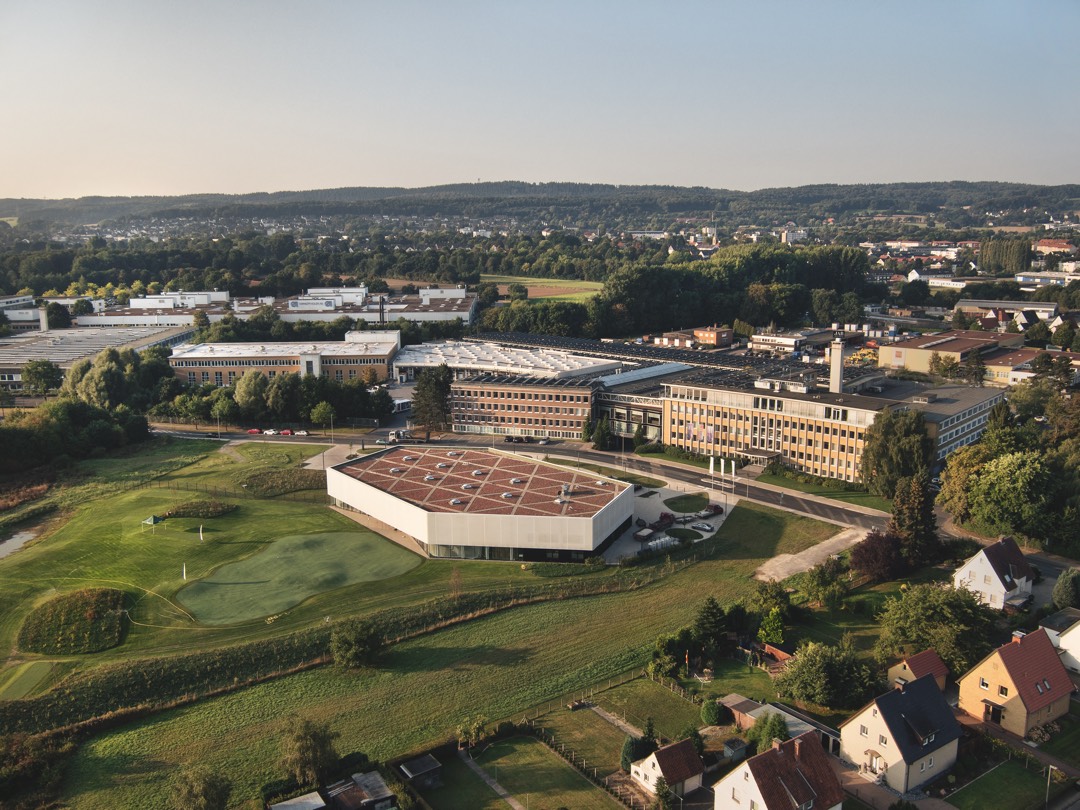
(616, 721)
(877, 796)
(503, 794)
(783, 566)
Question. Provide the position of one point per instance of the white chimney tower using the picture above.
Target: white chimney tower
(836, 367)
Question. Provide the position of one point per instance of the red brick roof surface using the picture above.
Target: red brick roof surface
(788, 780)
(1034, 666)
(451, 471)
(928, 662)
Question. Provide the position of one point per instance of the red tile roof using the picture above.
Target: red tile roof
(795, 772)
(928, 662)
(1034, 666)
(679, 762)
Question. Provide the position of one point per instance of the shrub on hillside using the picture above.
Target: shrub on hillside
(85, 621)
(201, 509)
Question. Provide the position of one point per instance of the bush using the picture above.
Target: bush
(85, 621)
(710, 713)
(270, 483)
(201, 509)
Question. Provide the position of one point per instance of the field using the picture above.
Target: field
(497, 666)
(734, 676)
(549, 288)
(290, 570)
(587, 734)
(860, 498)
(461, 789)
(1010, 786)
(526, 767)
(23, 679)
(639, 699)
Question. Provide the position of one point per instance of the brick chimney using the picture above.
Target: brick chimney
(798, 747)
(1018, 636)
(776, 743)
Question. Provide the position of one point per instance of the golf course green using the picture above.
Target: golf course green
(290, 570)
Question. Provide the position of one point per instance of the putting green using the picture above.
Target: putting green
(290, 570)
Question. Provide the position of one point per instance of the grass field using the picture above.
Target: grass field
(497, 666)
(641, 698)
(855, 498)
(1009, 786)
(23, 679)
(734, 676)
(526, 767)
(549, 289)
(290, 570)
(588, 735)
(688, 503)
(461, 789)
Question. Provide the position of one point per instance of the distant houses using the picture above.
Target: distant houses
(679, 765)
(790, 775)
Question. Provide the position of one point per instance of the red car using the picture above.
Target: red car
(286, 432)
(254, 431)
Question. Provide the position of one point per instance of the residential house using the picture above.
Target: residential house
(1019, 686)
(1063, 630)
(999, 574)
(678, 763)
(792, 775)
(903, 738)
(928, 662)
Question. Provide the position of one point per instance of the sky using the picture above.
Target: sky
(148, 97)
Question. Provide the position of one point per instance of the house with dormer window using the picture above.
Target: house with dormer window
(1019, 686)
(904, 738)
(999, 574)
(791, 775)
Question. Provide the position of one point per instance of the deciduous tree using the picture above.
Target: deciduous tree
(878, 556)
(199, 789)
(431, 398)
(1067, 589)
(307, 750)
(897, 446)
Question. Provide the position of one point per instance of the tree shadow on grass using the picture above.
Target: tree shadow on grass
(431, 659)
(117, 768)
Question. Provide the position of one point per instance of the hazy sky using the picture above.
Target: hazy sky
(154, 97)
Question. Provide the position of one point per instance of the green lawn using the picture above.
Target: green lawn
(688, 503)
(528, 768)
(667, 455)
(580, 291)
(639, 699)
(1009, 786)
(497, 666)
(610, 472)
(735, 677)
(588, 735)
(861, 498)
(461, 789)
(1066, 743)
(24, 678)
(290, 570)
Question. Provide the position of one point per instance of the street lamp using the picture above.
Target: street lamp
(1049, 770)
(331, 428)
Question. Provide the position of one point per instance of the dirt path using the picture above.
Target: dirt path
(783, 566)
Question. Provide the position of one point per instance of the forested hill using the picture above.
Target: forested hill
(959, 204)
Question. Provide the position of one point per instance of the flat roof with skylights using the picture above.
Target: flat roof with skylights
(485, 504)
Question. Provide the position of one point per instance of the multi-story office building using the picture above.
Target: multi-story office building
(522, 406)
(222, 363)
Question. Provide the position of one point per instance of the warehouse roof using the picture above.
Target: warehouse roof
(487, 482)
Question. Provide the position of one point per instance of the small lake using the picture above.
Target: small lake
(12, 544)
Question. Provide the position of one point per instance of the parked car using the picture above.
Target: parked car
(381, 441)
(543, 441)
(936, 480)
(254, 431)
(703, 527)
(270, 432)
(286, 432)
(508, 439)
(528, 439)
(301, 433)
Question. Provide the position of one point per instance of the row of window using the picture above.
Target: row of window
(526, 395)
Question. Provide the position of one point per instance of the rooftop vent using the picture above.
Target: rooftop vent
(479, 472)
(442, 465)
(925, 399)
(468, 486)
(409, 458)
(429, 478)
(507, 495)
(516, 481)
(600, 483)
(455, 502)
(396, 469)
(453, 453)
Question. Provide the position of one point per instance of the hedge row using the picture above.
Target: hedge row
(86, 621)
